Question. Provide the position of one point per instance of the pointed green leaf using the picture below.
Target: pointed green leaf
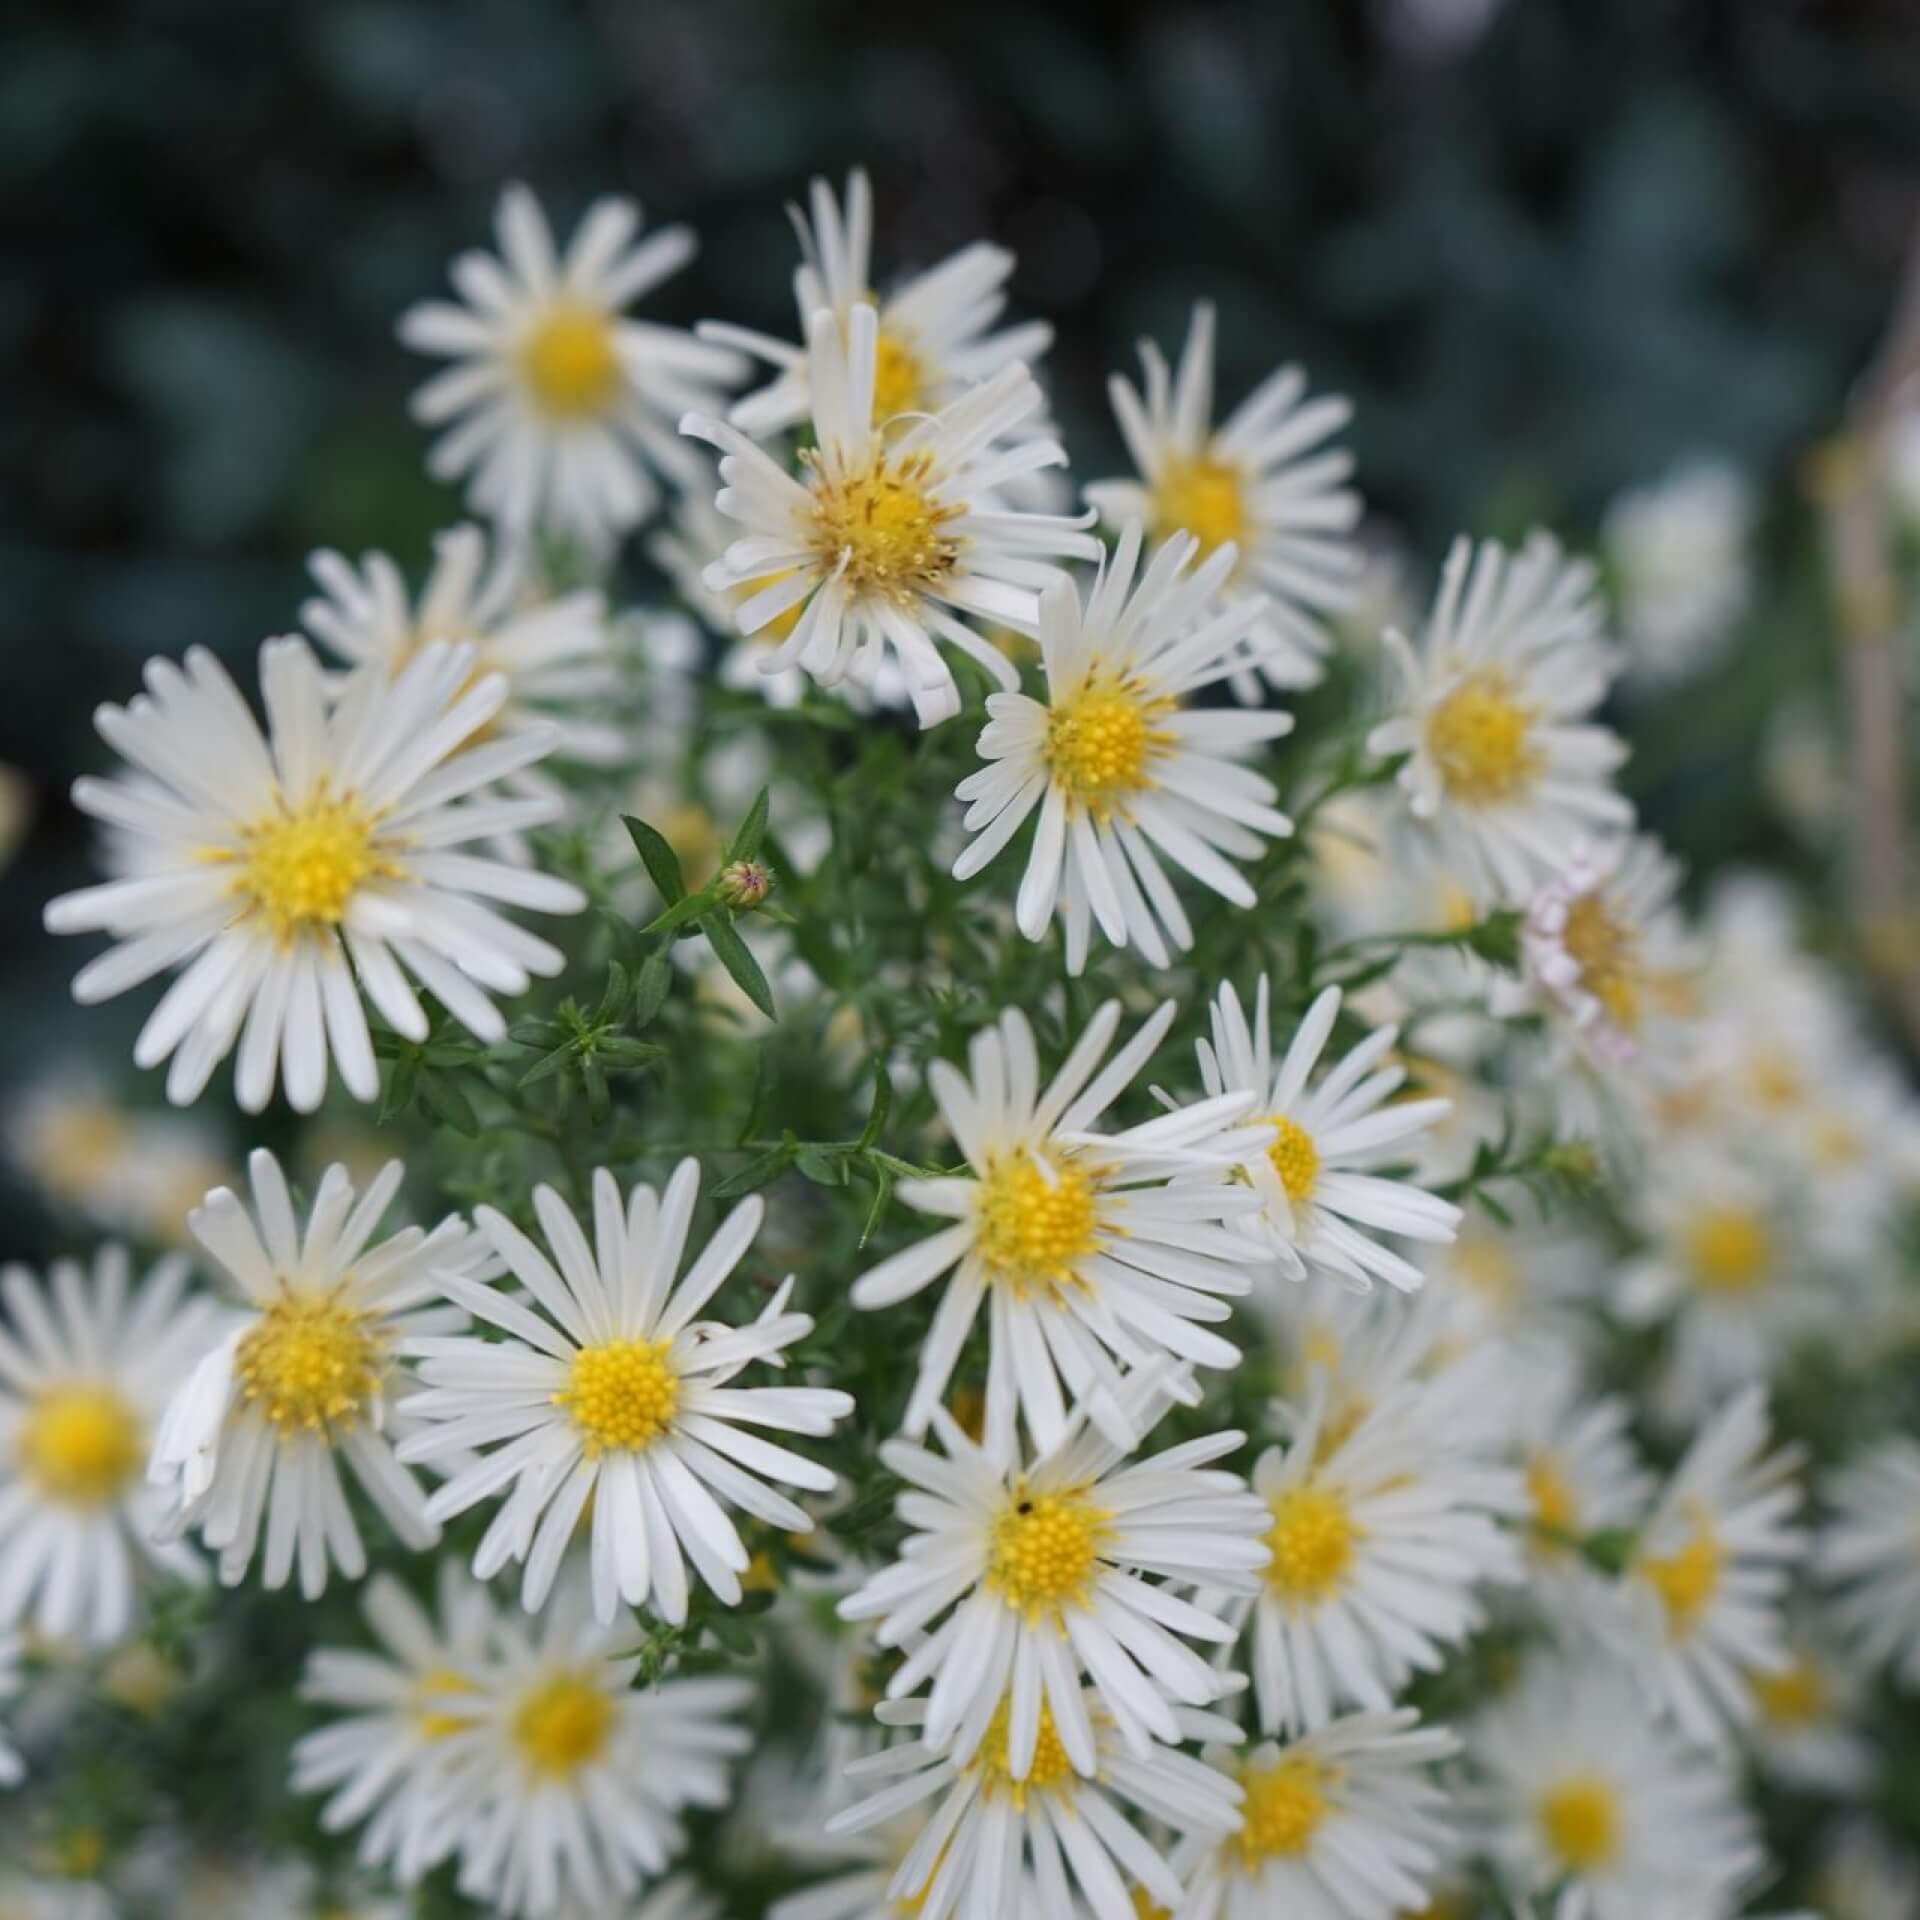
(662, 863)
(753, 829)
(731, 951)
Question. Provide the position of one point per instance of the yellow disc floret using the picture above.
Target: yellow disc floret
(1102, 743)
(80, 1444)
(1205, 497)
(311, 1362)
(433, 1715)
(1050, 1768)
(1311, 1542)
(1556, 1510)
(1797, 1696)
(1481, 739)
(1285, 1805)
(899, 380)
(1046, 1550)
(562, 1726)
(300, 866)
(1034, 1221)
(884, 523)
(1580, 1820)
(1686, 1580)
(1728, 1250)
(1294, 1156)
(623, 1395)
(1607, 952)
(572, 369)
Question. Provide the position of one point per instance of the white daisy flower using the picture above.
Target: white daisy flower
(1706, 1588)
(1679, 553)
(307, 1377)
(695, 535)
(1322, 1209)
(554, 650)
(261, 863)
(85, 1372)
(1864, 1875)
(1263, 484)
(1726, 1263)
(988, 1832)
(1585, 1794)
(1122, 772)
(1381, 1531)
(559, 407)
(1033, 1570)
(395, 1709)
(1501, 761)
(1602, 951)
(616, 1392)
(888, 536)
(934, 339)
(1870, 1551)
(1583, 1477)
(1087, 1249)
(566, 1779)
(13, 1769)
(1343, 1824)
(1808, 1733)
(678, 1899)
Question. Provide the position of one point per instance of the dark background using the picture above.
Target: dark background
(1548, 246)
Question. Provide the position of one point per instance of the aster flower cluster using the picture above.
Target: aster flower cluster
(1002, 1288)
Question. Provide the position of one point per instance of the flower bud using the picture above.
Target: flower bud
(744, 884)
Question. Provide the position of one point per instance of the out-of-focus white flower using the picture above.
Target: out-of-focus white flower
(1263, 483)
(1705, 1592)
(1585, 1793)
(1870, 1550)
(1343, 1824)
(86, 1370)
(560, 408)
(1679, 553)
(1503, 764)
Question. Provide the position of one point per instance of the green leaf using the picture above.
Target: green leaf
(548, 1065)
(822, 1168)
(731, 951)
(444, 1100)
(882, 1105)
(613, 1002)
(689, 907)
(662, 863)
(753, 830)
(650, 991)
(755, 1174)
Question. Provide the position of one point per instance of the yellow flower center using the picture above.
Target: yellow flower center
(1311, 1542)
(1051, 1768)
(1796, 1696)
(884, 520)
(1485, 1266)
(1102, 743)
(1836, 1143)
(899, 380)
(570, 362)
(79, 1853)
(1144, 1908)
(432, 1719)
(1556, 1512)
(622, 1396)
(1294, 1156)
(1046, 1550)
(1580, 1820)
(1685, 1580)
(80, 1445)
(1444, 1906)
(310, 1363)
(1034, 1220)
(1774, 1080)
(1607, 952)
(77, 1145)
(1204, 497)
(1480, 737)
(562, 1726)
(301, 868)
(1728, 1249)
(1285, 1805)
